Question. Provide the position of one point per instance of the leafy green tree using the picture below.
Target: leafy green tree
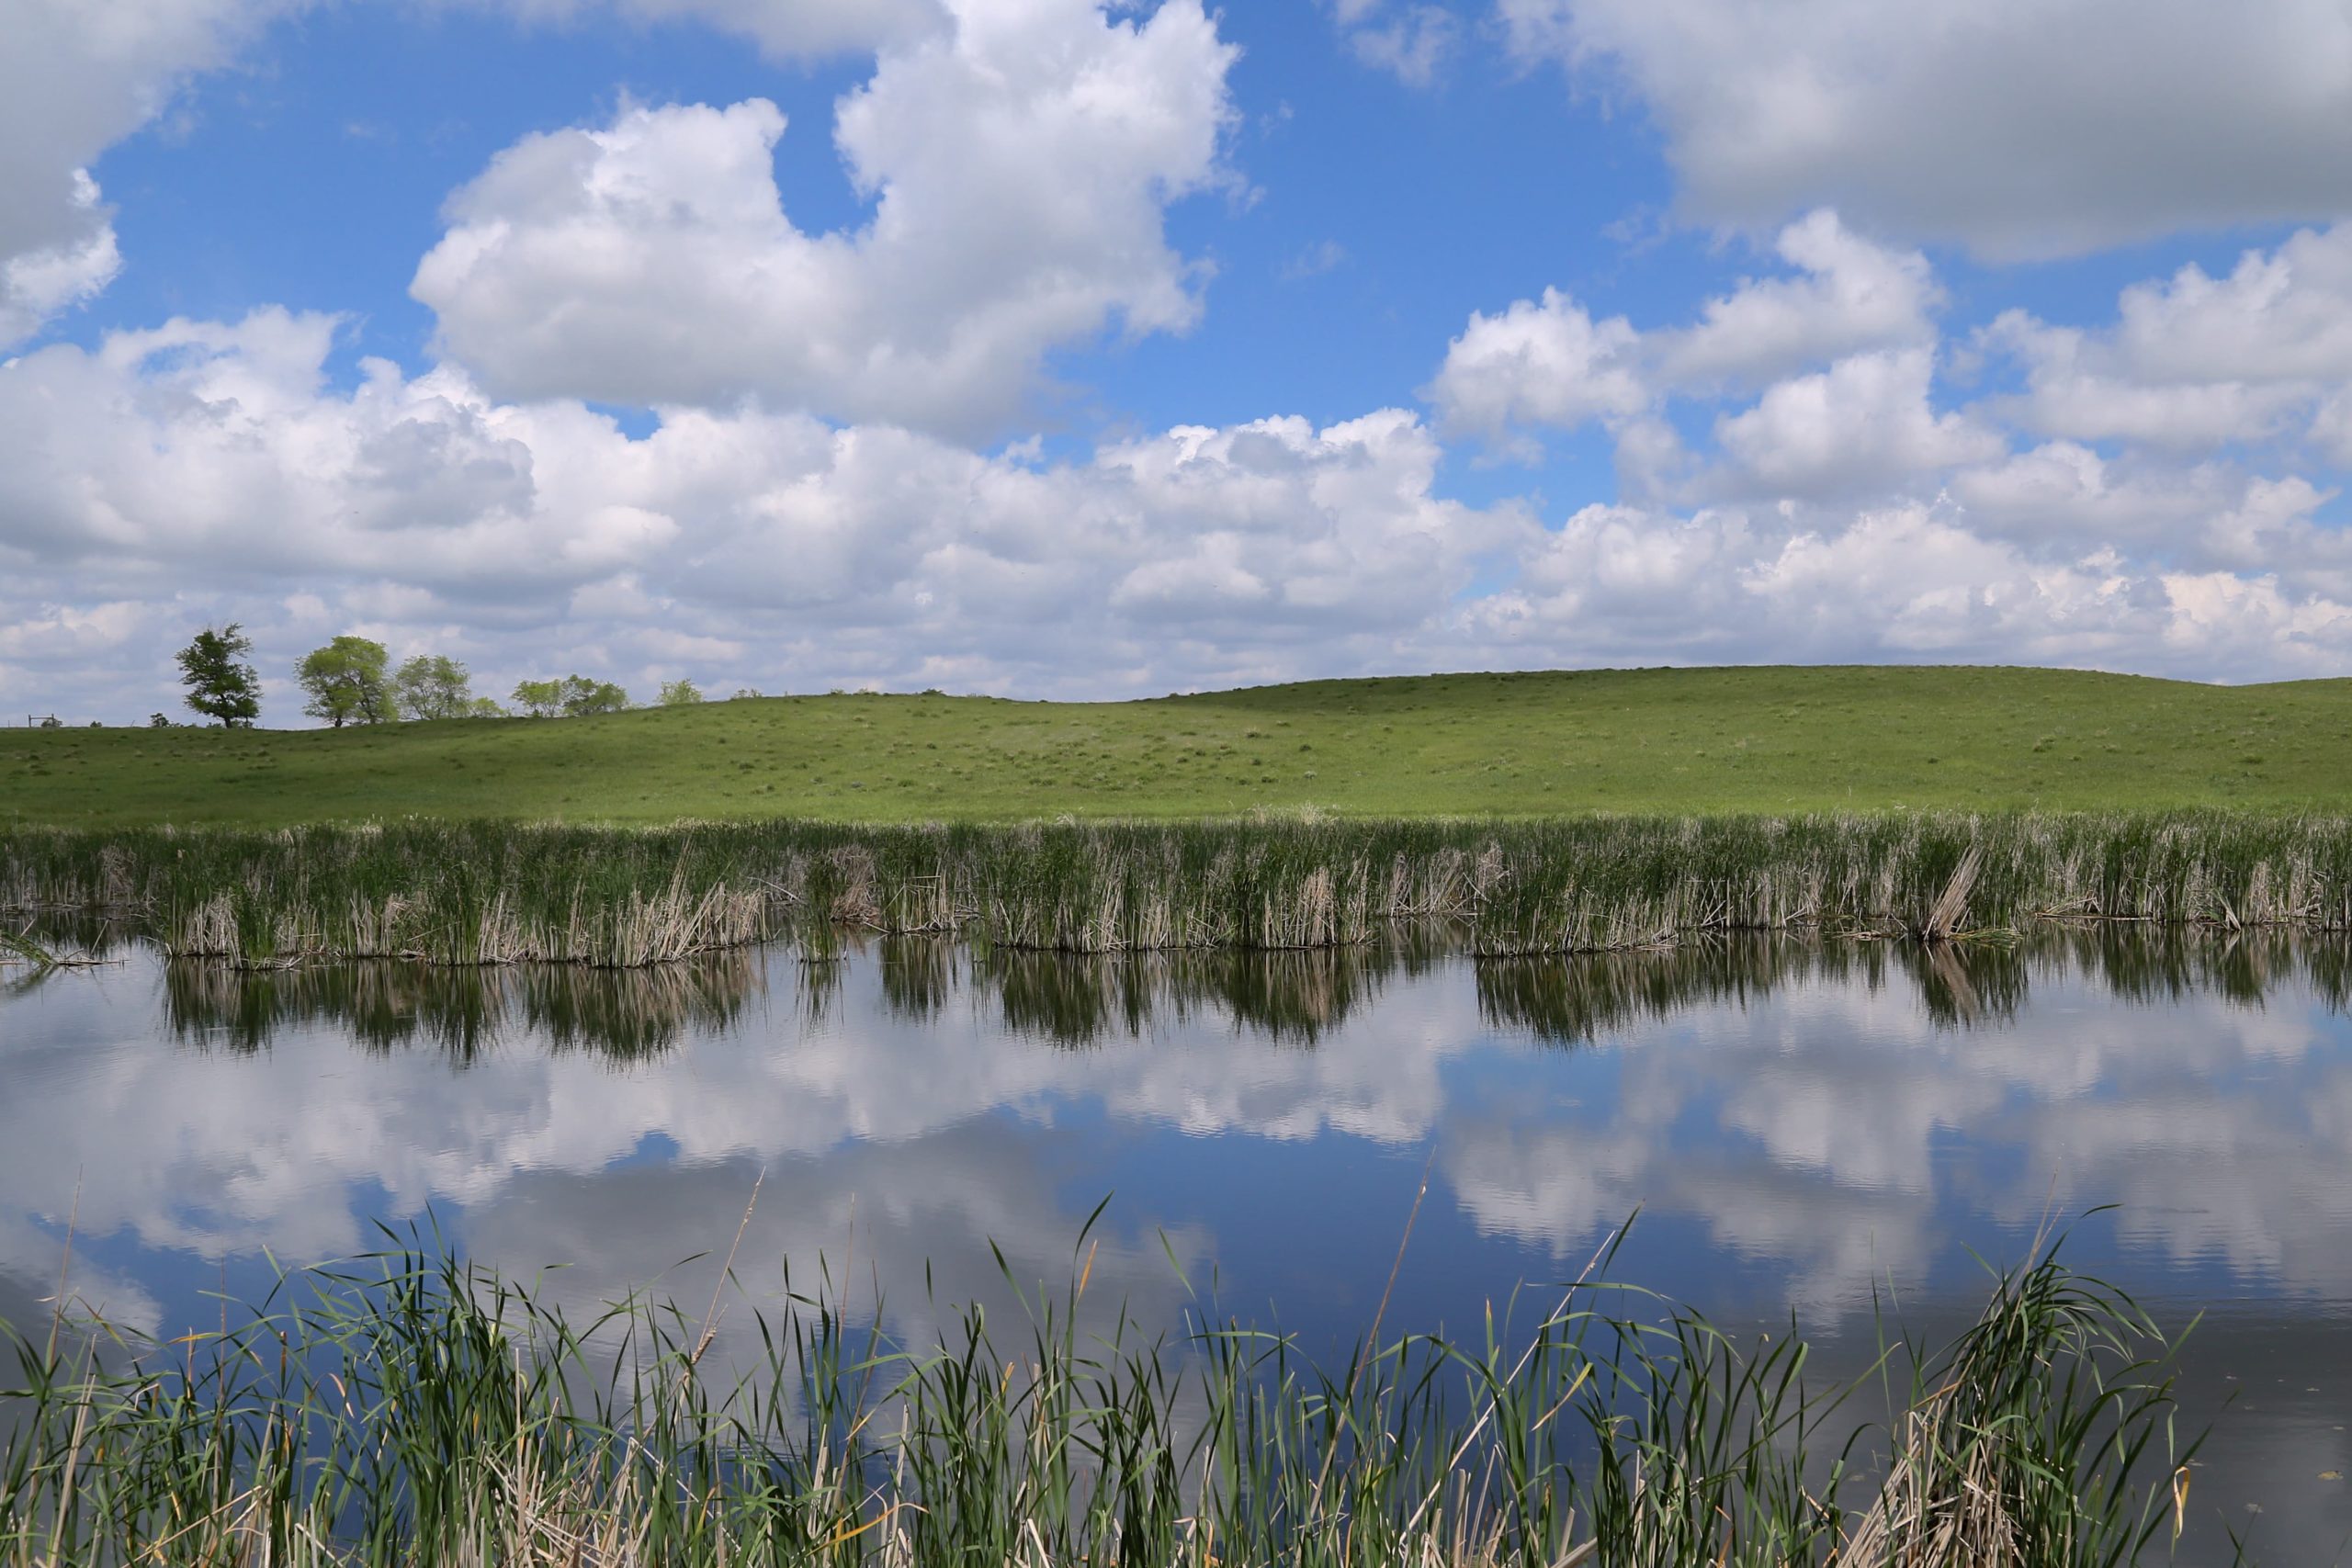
(680, 694)
(220, 683)
(434, 687)
(347, 683)
(574, 696)
(485, 707)
(540, 699)
(582, 696)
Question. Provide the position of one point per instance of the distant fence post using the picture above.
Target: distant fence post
(37, 720)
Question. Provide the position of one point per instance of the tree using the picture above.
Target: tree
(574, 696)
(436, 686)
(347, 682)
(540, 699)
(220, 684)
(680, 694)
(582, 696)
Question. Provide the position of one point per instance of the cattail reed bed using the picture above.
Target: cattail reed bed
(496, 893)
(411, 1409)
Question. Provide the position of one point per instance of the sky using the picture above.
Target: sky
(1099, 348)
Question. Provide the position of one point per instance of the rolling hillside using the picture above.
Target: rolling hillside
(1766, 738)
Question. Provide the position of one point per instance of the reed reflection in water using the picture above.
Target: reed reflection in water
(626, 1015)
(1286, 997)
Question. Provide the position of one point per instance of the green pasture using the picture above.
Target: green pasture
(1768, 740)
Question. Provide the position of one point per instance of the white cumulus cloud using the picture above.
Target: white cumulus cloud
(1847, 294)
(76, 78)
(2020, 128)
(1543, 363)
(1863, 423)
(1548, 363)
(2199, 361)
(1019, 164)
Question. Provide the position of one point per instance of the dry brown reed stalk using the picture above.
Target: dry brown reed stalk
(1943, 922)
(1935, 1513)
(207, 931)
(855, 904)
(533, 1519)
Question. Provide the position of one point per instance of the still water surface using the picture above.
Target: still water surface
(1800, 1127)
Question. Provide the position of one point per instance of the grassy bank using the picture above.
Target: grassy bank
(490, 893)
(419, 1411)
(1773, 740)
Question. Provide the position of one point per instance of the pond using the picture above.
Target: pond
(1839, 1130)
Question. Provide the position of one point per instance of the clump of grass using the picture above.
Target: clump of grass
(413, 1409)
(2021, 1444)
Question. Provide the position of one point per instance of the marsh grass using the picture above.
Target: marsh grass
(408, 1409)
(494, 893)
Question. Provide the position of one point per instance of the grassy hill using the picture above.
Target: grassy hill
(1767, 738)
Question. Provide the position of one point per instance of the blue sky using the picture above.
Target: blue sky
(358, 122)
(1050, 348)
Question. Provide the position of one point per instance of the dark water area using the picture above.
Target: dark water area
(1825, 1130)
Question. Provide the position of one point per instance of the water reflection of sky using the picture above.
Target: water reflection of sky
(1799, 1128)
